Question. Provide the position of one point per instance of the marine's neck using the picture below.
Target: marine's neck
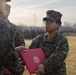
(51, 34)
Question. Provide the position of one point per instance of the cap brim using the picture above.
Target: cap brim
(8, 0)
(46, 18)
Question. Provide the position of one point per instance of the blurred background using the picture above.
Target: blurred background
(31, 12)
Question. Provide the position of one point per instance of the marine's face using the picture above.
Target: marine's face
(2, 6)
(7, 12)
(51, 26)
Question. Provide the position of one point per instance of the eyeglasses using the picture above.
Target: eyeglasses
(48, 22)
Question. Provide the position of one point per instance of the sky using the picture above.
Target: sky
(31, 12)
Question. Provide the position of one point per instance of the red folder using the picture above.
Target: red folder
(6, 71)
(32, 58)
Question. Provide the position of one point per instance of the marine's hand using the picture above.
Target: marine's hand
(20, 48)
(40, 69)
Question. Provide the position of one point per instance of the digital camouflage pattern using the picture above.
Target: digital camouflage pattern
(53, 15)
(18, 38)
(8, 55)
(18, 35)
(55, 50)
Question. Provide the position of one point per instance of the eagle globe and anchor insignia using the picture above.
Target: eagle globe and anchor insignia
(36, 59)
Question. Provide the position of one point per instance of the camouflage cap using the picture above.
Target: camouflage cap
(52, 15)
(8, 0)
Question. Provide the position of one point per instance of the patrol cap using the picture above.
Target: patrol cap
(52, 15)
(8, 0)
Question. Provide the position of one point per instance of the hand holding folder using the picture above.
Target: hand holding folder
(32, 58)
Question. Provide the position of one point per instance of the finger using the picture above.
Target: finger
(37, 72)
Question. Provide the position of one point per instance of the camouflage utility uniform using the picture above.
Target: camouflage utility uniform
(18, 38)
(18, 35)
(8, 55)
(55, 50)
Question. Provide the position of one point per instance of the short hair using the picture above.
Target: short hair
(58, 22)
(8, 0)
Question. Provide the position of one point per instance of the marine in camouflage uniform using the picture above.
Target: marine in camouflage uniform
(17, 38)
(55, 48)
(17, 33)
(8, 55)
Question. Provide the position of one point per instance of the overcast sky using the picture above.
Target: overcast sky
(31, 12)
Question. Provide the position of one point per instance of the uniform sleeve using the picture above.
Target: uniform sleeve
(19, 38)
(58, 55)
(11, 62)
